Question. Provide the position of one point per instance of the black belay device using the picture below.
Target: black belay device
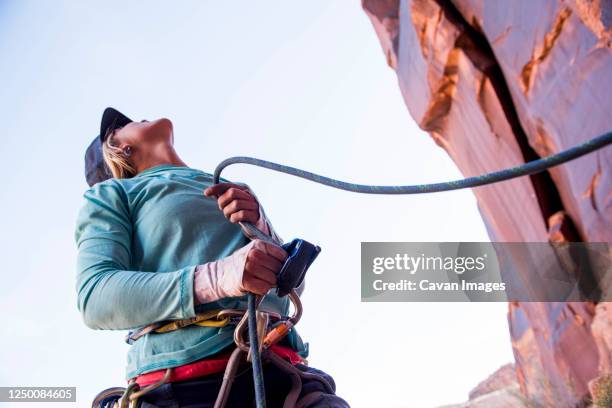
(301, 254)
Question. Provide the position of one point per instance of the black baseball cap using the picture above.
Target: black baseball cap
(96, 169)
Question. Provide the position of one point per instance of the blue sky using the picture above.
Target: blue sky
(301, 83)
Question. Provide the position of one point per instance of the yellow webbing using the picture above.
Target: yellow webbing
(206, 319)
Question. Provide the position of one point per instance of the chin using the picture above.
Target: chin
(165, 122)
(162, 129)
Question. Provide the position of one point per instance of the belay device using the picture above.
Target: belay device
(301, 254)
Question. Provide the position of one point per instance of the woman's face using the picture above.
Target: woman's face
(145, 135)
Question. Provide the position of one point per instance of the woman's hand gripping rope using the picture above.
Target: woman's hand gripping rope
(254, 267)
(238, 203)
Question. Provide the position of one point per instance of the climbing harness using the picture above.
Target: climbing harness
(301, 254)
(280, 326)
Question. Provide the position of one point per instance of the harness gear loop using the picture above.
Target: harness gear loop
(296, 381)
(297, 375)
(133, 392)
(107, 396)
(228, 377)
(125, 398)
(137, 394)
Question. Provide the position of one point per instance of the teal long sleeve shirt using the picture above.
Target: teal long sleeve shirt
(139, 241)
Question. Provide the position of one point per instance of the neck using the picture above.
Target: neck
(163, 155)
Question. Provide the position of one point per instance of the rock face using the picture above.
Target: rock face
(504, 377)
(499, 83)
(500, 390)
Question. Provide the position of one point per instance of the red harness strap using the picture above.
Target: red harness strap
(208, 366)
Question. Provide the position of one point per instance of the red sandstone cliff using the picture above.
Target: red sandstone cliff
(498, 83)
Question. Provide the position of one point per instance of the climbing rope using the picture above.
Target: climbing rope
(525, 169)
(258, 378)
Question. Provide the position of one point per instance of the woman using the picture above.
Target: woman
(158, 242)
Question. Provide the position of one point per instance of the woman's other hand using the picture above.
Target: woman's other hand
(235, 201)
(263, 263)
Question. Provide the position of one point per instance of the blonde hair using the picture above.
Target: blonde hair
(116, 159)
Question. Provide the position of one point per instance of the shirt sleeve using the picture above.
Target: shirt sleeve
(109, 295)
